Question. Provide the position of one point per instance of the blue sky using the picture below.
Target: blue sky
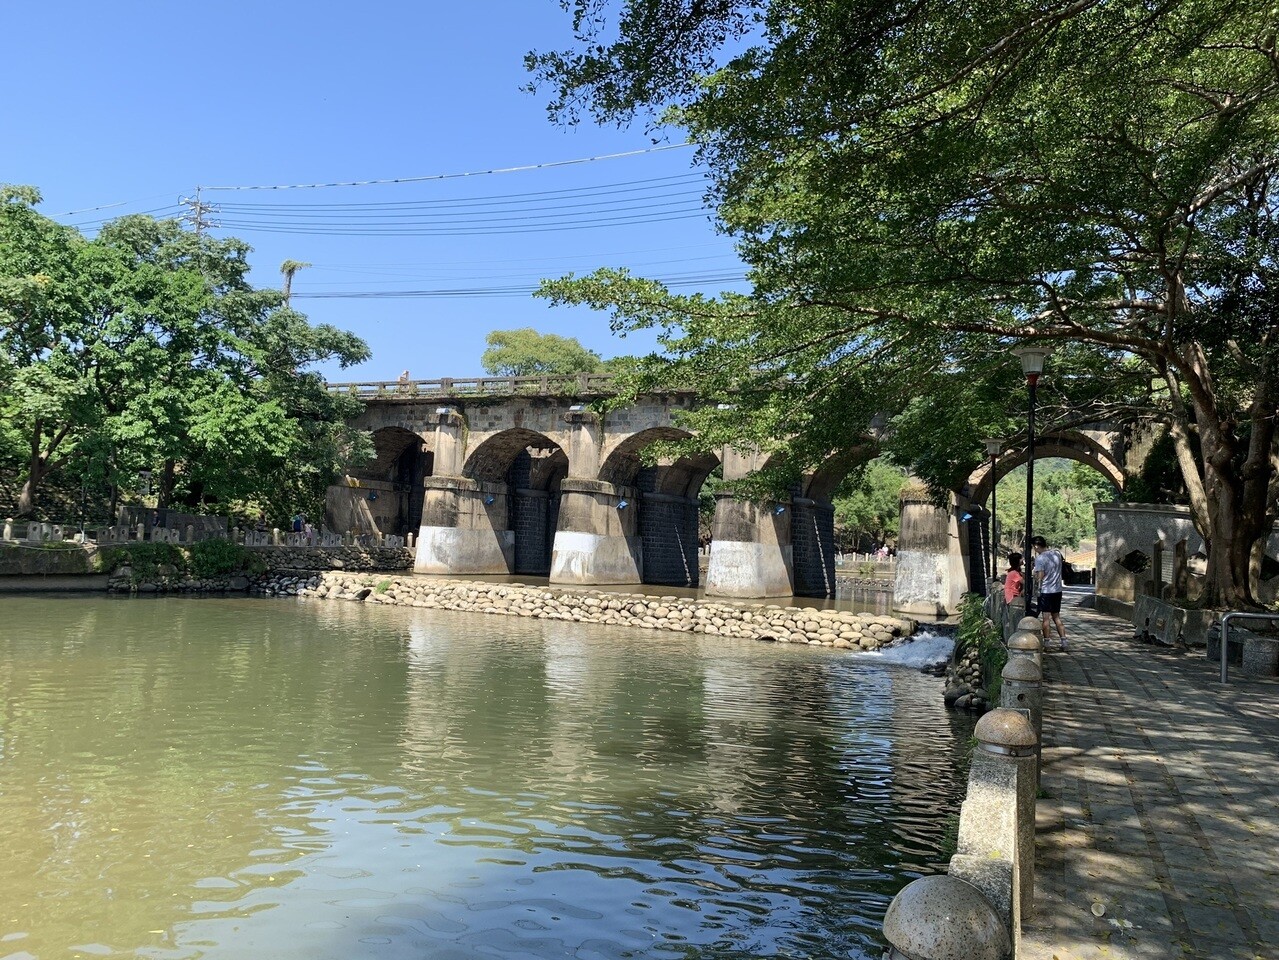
(142, 102)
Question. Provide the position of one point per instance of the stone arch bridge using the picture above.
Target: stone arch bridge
(520, 475)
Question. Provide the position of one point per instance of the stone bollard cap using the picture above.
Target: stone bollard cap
(1025, 640)
(1006, 731)
(945, 918)
(1023, 669)
(1028, 623)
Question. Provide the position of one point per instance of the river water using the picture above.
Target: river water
(299, 780)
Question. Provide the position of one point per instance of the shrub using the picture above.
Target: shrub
(215, 558)
(146, 559)
(977, 633)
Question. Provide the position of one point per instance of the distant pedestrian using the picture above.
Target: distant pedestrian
(1047, 572)
(1013, 580)
(298, 520)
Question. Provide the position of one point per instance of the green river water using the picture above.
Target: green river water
(241, 778)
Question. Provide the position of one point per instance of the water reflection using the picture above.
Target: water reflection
(235, 778)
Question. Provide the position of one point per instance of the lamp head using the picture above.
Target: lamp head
(994, 446)
(1032, 357)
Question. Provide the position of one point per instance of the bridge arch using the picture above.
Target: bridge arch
(385, 494)
(666, 495)
(1067, 444)
(524, 468)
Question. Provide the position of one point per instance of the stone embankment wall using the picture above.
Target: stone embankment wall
(965, 686)
(336, 558)
(294, 564)
(829, 628)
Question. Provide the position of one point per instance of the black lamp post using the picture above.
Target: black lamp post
(993, 448)
(1032, 365)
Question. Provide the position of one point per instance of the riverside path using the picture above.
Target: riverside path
(1162, 805)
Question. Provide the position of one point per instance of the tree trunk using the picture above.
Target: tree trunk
(165, 494)
(27, 495)
(35, 472)
(1237, 521)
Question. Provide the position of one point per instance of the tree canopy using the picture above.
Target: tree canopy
(914, 189)
(525, 353)
(146, 348)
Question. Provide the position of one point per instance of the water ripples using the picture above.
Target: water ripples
(230, 779)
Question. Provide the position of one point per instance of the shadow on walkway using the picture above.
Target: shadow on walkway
(1161, 806)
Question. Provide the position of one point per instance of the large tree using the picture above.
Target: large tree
(526, 352)
(147, 348)
(915, 187)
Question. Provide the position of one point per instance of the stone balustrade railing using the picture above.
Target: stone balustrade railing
(40, 532)
(445, 388)
(976, 909)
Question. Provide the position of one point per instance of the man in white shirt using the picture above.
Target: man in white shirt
(1047, 573)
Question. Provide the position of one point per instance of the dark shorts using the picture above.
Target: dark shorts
(1049, 603)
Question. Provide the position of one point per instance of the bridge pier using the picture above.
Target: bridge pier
(465, 528)
(751, 553)
(598, 539)
(932, 558)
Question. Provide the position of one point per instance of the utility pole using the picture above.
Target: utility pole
(199, 210)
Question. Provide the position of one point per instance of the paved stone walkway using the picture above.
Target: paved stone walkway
(1162, 805)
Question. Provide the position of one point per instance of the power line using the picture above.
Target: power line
(510, 290)
(106, 206)
(528, 211)
(455, 176)
(168, 208)
(436, 231)
(604, 189)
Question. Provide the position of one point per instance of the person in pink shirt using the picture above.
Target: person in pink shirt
(1013, 580)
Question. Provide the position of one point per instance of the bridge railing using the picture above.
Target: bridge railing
(550, 385)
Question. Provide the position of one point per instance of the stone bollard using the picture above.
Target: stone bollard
(275, 537)
(408, 541)
(188, 535)
(941, 918)
(1023, 689)
(1025, 643)
(1013, 612)
(996, 850)
(1030, 623)
(8, 528)
(142, 531)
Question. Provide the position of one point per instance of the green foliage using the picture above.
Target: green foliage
(382, 586)
(146, 348)
(868, 504)
(914, 190)
(977, 633)
(145, 559)
(1064, 496)
(217, 557)
(525, 352)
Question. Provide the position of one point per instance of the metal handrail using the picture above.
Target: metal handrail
(1225, 633)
